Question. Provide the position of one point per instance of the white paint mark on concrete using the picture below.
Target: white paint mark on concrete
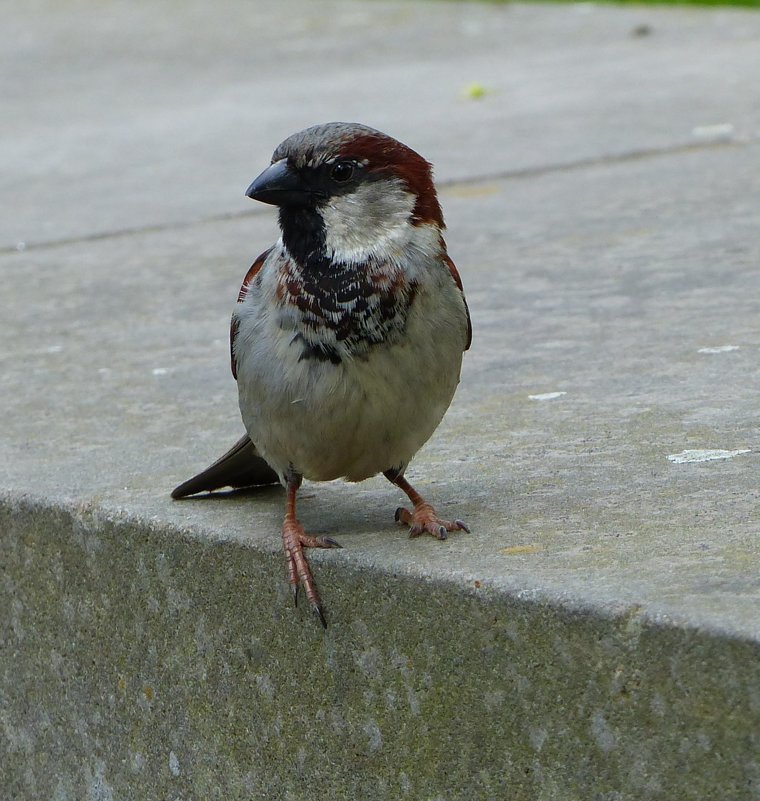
(715, 131)
(719, 349)
(174, 764)
(20, 246)
(544, 396)
(54, 349)
(160, 370)
(688, 456)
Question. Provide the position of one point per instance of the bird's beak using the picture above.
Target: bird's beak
(279, 185)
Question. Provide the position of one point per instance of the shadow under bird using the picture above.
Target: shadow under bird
(348, 334)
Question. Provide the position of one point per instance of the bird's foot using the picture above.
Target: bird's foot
(294, 540)
(424, 520)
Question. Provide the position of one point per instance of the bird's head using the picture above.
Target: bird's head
(349, 194)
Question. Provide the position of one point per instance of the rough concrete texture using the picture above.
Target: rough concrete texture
(596, 636)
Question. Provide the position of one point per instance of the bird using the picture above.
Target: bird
(348, 335)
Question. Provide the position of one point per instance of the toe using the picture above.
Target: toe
(403, 516)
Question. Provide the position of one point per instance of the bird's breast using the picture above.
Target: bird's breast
(336, 312)
(346, 375)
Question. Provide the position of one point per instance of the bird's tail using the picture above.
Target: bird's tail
(241, 466)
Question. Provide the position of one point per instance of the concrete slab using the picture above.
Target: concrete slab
(604, 285)
(596, 636)
(124, 116)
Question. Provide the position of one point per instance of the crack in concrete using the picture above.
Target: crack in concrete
(505, 175)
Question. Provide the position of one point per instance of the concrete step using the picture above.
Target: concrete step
(596, 636)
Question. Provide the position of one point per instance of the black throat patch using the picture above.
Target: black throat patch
(303, 232)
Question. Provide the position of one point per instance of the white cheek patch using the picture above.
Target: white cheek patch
(371, 223)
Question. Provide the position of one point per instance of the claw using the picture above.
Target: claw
(320, 614)
(329, 542)
(296, 588)
(462, 526)
(442, 533)
(399, 512)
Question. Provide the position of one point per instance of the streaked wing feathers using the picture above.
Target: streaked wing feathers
(249, 276)
(458, 281)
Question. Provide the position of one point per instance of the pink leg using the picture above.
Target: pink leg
(294, 540)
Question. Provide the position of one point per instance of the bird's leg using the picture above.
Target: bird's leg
(423, 518)
(294, 540)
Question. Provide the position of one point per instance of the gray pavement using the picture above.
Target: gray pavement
(596, 636)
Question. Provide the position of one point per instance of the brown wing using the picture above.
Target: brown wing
(249, 276)
(241, 466)
(458, 281)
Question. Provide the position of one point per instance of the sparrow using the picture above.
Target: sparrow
(348, 334)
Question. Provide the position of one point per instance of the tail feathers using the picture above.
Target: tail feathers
(241, 466)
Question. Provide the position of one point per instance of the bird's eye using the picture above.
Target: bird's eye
(342, 172)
